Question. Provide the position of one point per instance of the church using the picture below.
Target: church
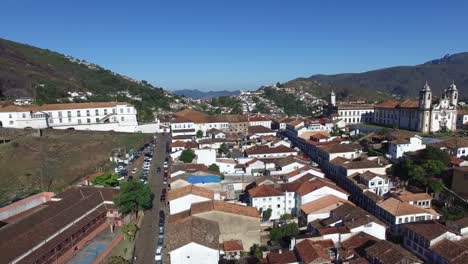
(425, 115)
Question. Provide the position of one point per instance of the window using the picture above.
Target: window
(128, 110)
(69, 113)
(60, 120)
(399, 220)
(278, 205)
(79, 121)
(87, 113)
(60, 115)
(372, 183)
(11, 122)
(69, 120)
(88, 120)
(10, 115)
(105, 111)
(122, 118)
(121, 110)
(78, 113)
(380, 182)
(97, 120)
(24, 115)
(113, 110)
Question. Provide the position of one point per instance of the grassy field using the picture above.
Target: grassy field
(57, 159)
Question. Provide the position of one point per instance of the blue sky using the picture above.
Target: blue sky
(242, 44)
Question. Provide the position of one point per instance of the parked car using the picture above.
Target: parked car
(158, 170)
(162, 198)
(164, 191)
(161, 214)
(161, 230)
(134, 170)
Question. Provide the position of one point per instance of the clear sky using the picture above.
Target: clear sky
(239, 44)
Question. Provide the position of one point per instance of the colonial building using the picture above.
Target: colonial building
(350, 113)
(426, 115)
(98, 116)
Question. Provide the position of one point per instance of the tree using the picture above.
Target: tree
(108, 180)
(199, 134)
(134, 196)
(256, 251)
(281, 233)
(433, 153)
(214, 167)
(266, 214)
(223, 149)
(117, 260)
(187, 155)
(129, 231)
(436, 186)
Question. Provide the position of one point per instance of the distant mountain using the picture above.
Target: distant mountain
(404, 81)
(197, 94)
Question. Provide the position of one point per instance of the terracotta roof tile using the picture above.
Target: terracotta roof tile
(321, 203)
(428, 229)
(264, 191)
(193, 229)
(190, 189)
(399, 208)
(259, 130)
(268, 150)
(310, 186)
(282, 258)
(233, 245)
(388, 104)
(223, 206)
(311, 251)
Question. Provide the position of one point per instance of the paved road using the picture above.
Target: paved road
(145, 246)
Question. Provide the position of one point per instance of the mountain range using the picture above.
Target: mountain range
(197, 94)
(400, 81)
(27, 71)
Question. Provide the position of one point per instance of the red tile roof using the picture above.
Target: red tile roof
(190, 189)
(223, 206)
(233, 245)
(264, 191)
(311, 251)
(268, 150)
(388, 104)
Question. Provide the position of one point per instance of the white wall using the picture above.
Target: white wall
(194, 253)
(372, 229)
(184, 203)
(205, 156)
(271, 202)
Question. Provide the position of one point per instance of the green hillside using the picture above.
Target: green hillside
(403, 81)
(27, 71)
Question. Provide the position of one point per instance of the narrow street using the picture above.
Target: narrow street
(145, 245)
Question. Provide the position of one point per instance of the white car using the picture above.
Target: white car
(134, 170)
(158, 253)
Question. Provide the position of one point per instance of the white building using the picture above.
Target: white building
(193, 240)
(269, 152)
(378, 184)
(397, 148)
(266, 197)
(205, 156)
(182, 198)
(316, 189)
(98, 116)
(259, 121)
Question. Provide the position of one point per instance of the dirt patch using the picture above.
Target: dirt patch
(58, 158)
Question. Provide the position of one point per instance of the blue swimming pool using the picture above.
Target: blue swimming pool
(194, 179)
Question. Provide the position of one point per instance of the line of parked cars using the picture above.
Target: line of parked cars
(160, 245)
(146, 165)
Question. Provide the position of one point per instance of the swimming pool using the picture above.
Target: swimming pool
(194, 179)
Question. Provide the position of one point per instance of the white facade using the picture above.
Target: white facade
(277, 204)
(106, 116)
(194, 253)
(183, 203)
(265, 123)
(226, 166)
(397, 149)
(356, 115)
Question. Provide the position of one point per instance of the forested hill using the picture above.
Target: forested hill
(27, 71)
(403, 81)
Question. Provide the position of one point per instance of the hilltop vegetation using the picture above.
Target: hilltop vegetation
(27, 71)
(402, 81)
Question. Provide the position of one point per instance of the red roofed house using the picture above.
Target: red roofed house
(269, 152)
